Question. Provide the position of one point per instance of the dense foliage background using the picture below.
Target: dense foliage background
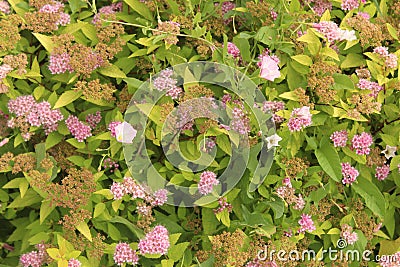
(327, 69)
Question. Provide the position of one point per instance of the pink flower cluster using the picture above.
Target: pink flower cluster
(55, 8)
(382, 172)
(31, 259)
(59, 63)
(374, 87)
(240, 121)
(332, 32)
(93, 119)
(349, 173)
(233, 50)
(34, 258)
(124, 254)
(74, 263)
(274, 106)
(165, 82)
(350, 4)
(207, 181)
(299, 119)
(339, 138)
(130, 187)
(287, 193)
(107, 10)
(223, 205)
(261, 263)
(320, 6)
(5, 7)
(225, 8)
(361, 143)
(111, 126)
(306, 224)
(348, 235)
(390, 59)
(42, 115)
(77, 128)
(390, 260)
(4, 70)
(36, 114)
(155, 242)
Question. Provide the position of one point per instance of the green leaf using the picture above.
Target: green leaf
(277, 206)
(53, 139)
(45, 210)
(342, 81)
(303, 59)
(224, 143)
(140, 8)
(84, 229)
(67, 98)
(45, 41)
(352, 60)
(373, 197)
(112, 71)
(30, 198)
(99, 209)
(329, 160)
(176, 251)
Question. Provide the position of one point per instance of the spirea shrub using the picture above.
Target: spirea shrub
(199, 133)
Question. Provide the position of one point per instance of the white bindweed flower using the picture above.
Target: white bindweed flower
(390, 151)
(273, 140)
(125, 133)
(347, 35)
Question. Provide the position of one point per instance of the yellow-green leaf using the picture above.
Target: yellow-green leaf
(67, 98)
(303, 59)
(112, 71)
(85, 231)
(45, 41)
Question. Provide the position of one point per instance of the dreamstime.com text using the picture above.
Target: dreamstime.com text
(349, 255)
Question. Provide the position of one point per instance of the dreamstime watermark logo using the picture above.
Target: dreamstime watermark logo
(340, 253)
(143, 113)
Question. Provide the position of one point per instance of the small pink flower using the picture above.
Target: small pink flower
(155, 242)
(348, 234)
(93, 119)
(233, 50)
(4, 141)
(59, 63)
(350, 4)
(79, 130)
(306, 224)
(112, 125)
(349, 173)
(361, 143)
(4, 70)
(124, 254)
(382, 172)
(207, 181)
(159, 197)
(269, 68)
(31, 259)
(339, 138)
(118, 190)
(299, 119)
(74, 263)
(5, 7)
(300, 203)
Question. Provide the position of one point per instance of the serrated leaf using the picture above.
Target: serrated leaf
(373, 197)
